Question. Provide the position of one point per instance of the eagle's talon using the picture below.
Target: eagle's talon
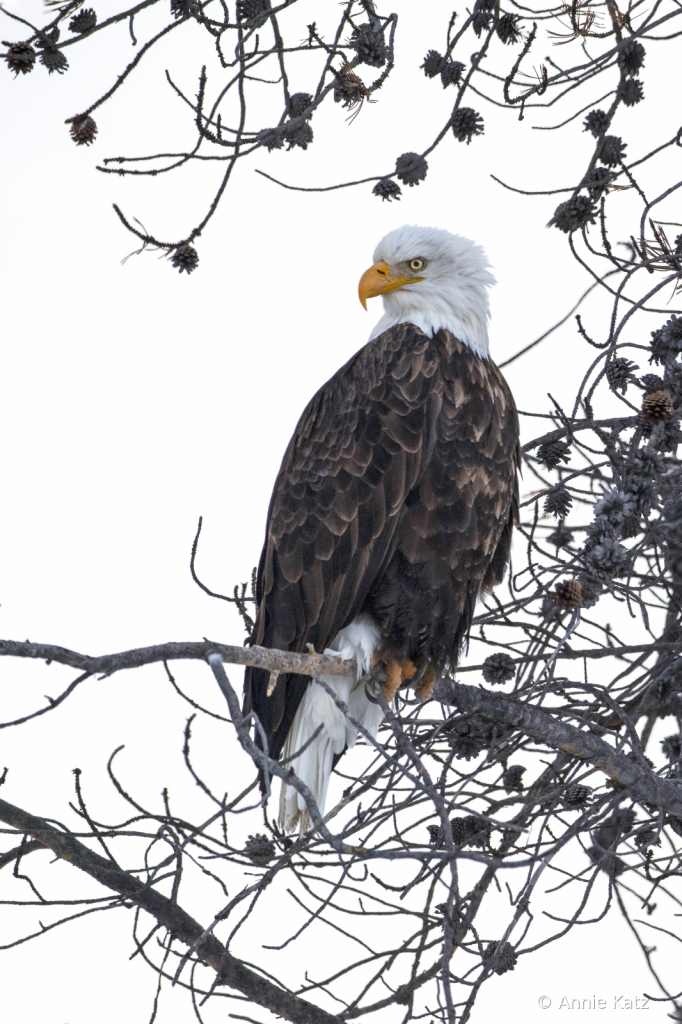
(397, 673)
(424, 691)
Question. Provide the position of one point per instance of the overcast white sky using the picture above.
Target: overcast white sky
(133, 400)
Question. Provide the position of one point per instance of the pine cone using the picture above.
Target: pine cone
(466, 123)
(435, 835)
(183, 8)
(369, 44)
(648, 837)
(612, 150)
(619, 372)
(467, 739)
(461, 830)
(388, 189)
(84, 21)
(299, 103)
(255, 12)
(569, 594)
(498, 668)
(505, 960)
(433, 64)
(300, 136)
(470, 830)
(597, 181)
(574, 214)
(609, 512)
(259, 849)
(666, 341)
(577, 795)
(631, 92)
(652, 382)
(657, 406)
(561, 536)
(630, 528)
(21, 58)
(83, 130)
(411, 168)
(558, 501)
(451, 73)
(481, 21)
(349, 89)
(511, 780)
(271, 138)
(631, 56)
(596, 123)
(552, 453)
(185, 258)
(507, 28)
(54, 60)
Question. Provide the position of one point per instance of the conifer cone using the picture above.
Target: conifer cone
(185, 258)
(259, 849)
(657, 406)
(577, 795)
(387, 189)
(433, 64)
(21, 58)
(504, 954)
(83, 130)
(558, 501)
(569, 594)
(84, 21)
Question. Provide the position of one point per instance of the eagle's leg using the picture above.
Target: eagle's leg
(397, 673)
(425, 688)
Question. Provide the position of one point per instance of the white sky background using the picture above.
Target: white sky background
(134, 399)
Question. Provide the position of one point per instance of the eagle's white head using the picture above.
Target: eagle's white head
(433, 279)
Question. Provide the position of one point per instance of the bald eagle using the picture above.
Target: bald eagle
(393, 508)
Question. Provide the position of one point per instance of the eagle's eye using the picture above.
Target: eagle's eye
(417, 264)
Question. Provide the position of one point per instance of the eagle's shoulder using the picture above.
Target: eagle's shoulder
(475, 384)
(380, 357)
(359, 389)
(354, 457)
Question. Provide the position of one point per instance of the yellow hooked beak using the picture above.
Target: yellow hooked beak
(380, 279)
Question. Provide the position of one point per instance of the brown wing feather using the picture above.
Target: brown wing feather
(339, 498)
(508, 466)
(455, 536)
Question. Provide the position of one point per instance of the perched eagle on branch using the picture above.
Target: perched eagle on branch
(393, 508)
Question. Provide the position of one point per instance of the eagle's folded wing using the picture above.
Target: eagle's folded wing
(337, 503)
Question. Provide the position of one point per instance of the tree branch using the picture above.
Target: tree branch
(644, 785)
(169, 915)
(107, 664)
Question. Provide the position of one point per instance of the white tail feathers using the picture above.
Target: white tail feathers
(314, 765)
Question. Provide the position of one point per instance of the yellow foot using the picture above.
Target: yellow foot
(425, 688)
(397, 673)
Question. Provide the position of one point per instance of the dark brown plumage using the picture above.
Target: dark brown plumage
(396, 496)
